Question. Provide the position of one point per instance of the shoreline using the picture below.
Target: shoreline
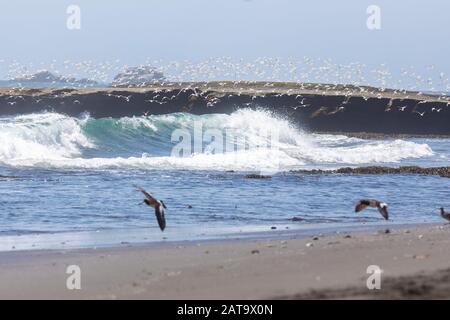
(296, 267)
(141, 237)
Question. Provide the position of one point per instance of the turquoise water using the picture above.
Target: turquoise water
(74, 178)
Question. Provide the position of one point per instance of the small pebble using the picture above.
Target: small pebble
(310, 244)
(347, 236)
(273, 228)
(420, 236)
(315, 238)
(255, 251)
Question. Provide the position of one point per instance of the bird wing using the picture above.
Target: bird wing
(384, 212)
(146, 194)
(361, 205)
(159, 212)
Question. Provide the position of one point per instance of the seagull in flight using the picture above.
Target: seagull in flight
(420, 113)
(157, 204)
(381, 206)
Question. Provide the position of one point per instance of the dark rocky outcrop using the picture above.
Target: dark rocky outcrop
(440, 171)
(44, 78)
(138, 76)
(316, 108)
(256, 176)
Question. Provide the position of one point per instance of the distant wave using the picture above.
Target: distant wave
(58, 141)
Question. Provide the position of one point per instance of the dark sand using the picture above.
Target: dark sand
(415, 263)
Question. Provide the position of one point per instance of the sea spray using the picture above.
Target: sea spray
(58, 141)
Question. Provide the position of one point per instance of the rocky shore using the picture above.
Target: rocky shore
(440, 171)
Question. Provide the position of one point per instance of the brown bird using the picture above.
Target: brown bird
(445, 215)
(157, 204)
(381, 206)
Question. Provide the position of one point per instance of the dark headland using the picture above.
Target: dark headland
(314, 107)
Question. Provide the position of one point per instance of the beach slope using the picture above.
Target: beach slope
(415, 264)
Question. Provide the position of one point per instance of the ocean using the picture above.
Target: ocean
(69, 180)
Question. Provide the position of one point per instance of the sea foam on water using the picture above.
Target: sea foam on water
(259, 141)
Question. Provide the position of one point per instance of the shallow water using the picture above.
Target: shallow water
(75, 175)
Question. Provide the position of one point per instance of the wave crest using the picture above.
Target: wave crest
(55, 140)
(42, 136)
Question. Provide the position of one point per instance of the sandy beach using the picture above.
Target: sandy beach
(414, 261)
(265, 151)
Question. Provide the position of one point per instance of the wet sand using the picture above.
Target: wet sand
(415, 262)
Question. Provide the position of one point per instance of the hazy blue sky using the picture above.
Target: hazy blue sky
(413, 32)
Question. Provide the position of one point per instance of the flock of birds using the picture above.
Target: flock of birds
(267, 69)
(163, 94)
(321, 76)
(270, 69)
(362, 204)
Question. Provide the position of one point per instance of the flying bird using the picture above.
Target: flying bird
(381, 206)
(157, 204)
(445, 215)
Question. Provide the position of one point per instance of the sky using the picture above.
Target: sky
(413, 32)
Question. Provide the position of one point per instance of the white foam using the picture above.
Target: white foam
(44, 136)
(58, 141)
(137, 122)
(244, 160)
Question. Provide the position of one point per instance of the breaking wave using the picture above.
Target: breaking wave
(250, 139)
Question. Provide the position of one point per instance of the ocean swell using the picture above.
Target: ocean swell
(59, 141)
